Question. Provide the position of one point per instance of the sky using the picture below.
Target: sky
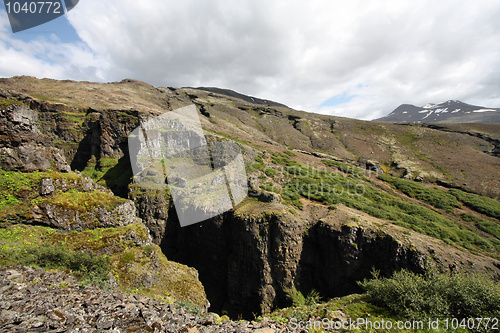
(357, 59)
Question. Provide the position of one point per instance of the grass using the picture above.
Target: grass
(269, 186)
(478, 203)
(278, 158)
(356, 306)
(44, 98)
(438, 198)
(84, 201)
(344, 167)
(116, 174)
(351, 188)
(8, 102)
(22, 245)
(17, 190)
(333, 188)
(490, 227)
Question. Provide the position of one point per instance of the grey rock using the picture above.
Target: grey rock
(46, 186)
(266, 196)
(90, 309)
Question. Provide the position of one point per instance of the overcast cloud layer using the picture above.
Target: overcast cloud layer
(368, 56)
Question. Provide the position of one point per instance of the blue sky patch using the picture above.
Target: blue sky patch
(60, 27)
(338, 99)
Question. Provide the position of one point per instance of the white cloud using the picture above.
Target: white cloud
(47, 57)
(299, 53)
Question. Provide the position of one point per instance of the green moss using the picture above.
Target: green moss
(84, 201)
(129, 263)
(18, 190)
(8, 102)
(127, 257)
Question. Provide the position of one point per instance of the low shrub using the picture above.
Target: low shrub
(436, 295)
(479, 203)
(279, 158)
(298, 299)
(91, 268)
(344, 167)
(438, 198)
(269, 172)
(490, 227)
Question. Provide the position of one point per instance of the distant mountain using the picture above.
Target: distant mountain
(452, 111)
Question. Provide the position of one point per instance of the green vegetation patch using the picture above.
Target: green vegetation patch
(438, 198)
(270, 172)
(436, 295)
(490, 227)
(278, 158)
(333, 188)
(84, 201)
(8, 102)
(22, 245)
(96, 255)
(479, 203)
(115, 174)
(18, 189)
(345, 167)
(355, 306)
(269, 186)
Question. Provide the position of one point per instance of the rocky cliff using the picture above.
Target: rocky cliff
(275, 241)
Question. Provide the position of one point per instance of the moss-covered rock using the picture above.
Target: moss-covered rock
(136, 264)
(66, 201)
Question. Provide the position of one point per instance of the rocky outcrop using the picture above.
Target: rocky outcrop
(105, 136)
(99, 217)
(22, 144)
(153, 206)
(65, 201)
(36, 301)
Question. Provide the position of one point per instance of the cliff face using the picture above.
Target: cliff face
(249, 258)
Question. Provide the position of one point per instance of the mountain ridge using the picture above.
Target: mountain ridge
(451, 111)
